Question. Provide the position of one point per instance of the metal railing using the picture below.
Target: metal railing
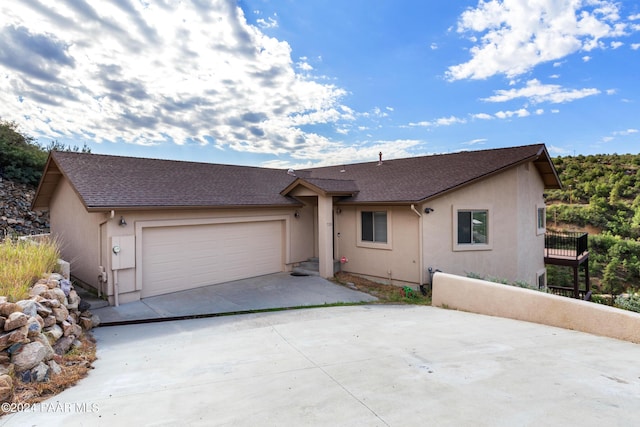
(566, 244)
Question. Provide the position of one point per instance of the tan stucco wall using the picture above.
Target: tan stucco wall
(517, 251)
(296, 248)
(493, 299)
(77, 231)
(86, 244)
(400, 262)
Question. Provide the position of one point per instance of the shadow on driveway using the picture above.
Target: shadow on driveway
(280, 290)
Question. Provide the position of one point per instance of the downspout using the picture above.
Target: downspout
(102, 275)
(420, 246)
(115, 287)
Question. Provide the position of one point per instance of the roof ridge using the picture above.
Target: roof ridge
(426, 155)
(324, 179)
(155, 159)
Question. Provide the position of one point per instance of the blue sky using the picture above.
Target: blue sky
(284, 83)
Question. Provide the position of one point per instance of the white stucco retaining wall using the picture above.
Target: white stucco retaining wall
(494, 299)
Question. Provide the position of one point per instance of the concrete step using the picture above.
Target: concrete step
(90, 297)
(297, 271)
(311, 267)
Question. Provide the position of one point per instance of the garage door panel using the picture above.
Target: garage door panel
(186, 257)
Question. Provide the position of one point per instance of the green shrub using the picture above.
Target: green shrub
(629, 302)
(502, 281)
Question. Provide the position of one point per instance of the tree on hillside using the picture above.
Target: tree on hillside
(22, 159)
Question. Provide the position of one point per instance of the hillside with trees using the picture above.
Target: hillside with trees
(601, 196)
(22, 161)
(22, 158)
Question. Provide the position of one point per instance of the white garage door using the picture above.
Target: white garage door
(187, 257)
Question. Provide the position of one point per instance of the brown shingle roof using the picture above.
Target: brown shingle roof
(333, 187)
(419, 178)
(126, 182)
(109, 182)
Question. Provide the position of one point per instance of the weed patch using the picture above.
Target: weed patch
(384, 293)
(22, 263)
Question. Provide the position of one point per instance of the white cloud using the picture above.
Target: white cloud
(268, 23)
(555, 111)
(634, 17)
(178, 73)
(635, 46)
(586, 58)
(611, 91)
(537, 92)
(614, 134)
(304, 65)
(434, 46)
(442, 121)
(478, 141)
(448, 121)
(482, 116)
(518, 35)
(363, 152)
(423, 123)
(554, 76)
(517, 113)
(626, 132)
(615, 45)
(553, 149)
(539, 112)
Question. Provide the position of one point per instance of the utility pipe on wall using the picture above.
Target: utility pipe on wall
(420, 244)
(101, 278)
(115, 287)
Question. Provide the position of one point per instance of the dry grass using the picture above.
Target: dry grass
(22, 263)
(385, 293)
(75, 365)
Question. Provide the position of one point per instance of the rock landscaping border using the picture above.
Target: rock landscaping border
(35, 330)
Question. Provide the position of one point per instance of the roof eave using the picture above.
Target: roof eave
(320, 191)
(51, 175)
(132, 208)
(547, 170)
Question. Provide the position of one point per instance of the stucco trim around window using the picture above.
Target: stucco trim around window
(471, 213)
(388, 245)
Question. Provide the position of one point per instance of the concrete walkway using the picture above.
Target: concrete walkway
(376, 365)
(280, 290)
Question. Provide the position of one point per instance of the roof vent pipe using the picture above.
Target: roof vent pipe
(379, 158)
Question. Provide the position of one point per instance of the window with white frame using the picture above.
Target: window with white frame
(373, 226)
(472, 229)
(541, 214)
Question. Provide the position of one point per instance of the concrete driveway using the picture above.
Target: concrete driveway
(376, 365)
